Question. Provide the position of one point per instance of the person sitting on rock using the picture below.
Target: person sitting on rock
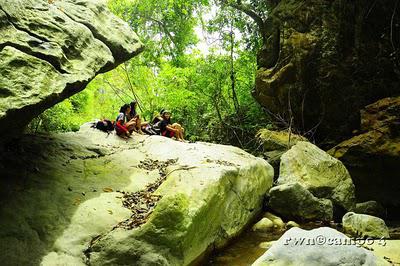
(158, 117)
(134, 116)
(170, 130)
(123, 126)
(153, 128)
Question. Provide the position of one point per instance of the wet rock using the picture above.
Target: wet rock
(264, 225)
(268, 223)
(299, 247)
(278, 223)
(293, 201)
(321, 174)
(365, 225)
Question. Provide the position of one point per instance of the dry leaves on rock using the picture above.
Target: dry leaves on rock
(143, 202)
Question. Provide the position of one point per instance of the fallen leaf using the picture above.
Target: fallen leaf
(77, 201)
(108, 189)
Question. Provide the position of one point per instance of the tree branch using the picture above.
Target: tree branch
(252, 14)
(164, 27)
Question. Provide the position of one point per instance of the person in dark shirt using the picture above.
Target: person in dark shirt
(153, 128)
(158, 117)
(134, 116)
(133, 112)
(169, 130)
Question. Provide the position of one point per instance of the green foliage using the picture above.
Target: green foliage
(68, 115)
(197, 88)
(165, 26)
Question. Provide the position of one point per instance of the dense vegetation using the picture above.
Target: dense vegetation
(208, 89)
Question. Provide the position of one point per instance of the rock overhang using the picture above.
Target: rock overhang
(51, 50)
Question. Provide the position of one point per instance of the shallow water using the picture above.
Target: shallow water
(244, 251)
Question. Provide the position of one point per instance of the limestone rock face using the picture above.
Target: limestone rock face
(62, 198)
(50, 50)
(293, 201)
(321, 246)
(365, 225)
(373, 156)
(318, 172)
(335, 58)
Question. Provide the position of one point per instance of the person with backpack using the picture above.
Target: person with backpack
(170, 130)
(123, 126)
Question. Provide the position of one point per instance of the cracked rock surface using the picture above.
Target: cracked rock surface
(63, 197)
(50, 50)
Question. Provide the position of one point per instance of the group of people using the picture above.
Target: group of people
(128, 121)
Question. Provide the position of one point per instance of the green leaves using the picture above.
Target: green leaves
(197, 88)
(165, 26)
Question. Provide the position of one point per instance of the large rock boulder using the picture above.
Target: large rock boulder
(373, 156)
(275, 143)
(278, 140)
(317, 171)
(370, 207)
(50, 50)
(293, 201)
(335, 58)
(364, 225)
(85, 197)
(321, 246)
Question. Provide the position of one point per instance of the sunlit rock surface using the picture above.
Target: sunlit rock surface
(320, 173)
(364, 225)
(59, 196)
(321, 246)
